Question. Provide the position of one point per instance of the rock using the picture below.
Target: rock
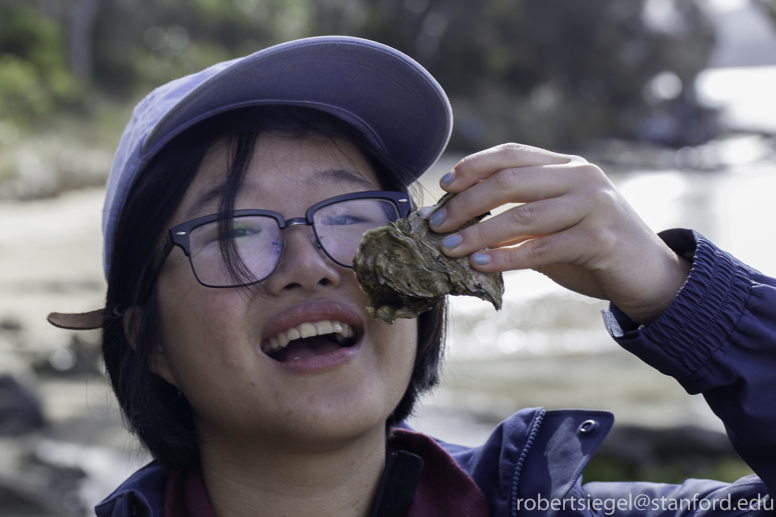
(77, 358)
(665, 455)
(20, 408)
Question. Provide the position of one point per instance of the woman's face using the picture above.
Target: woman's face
(215, 342)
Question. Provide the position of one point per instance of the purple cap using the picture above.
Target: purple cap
(388, 96)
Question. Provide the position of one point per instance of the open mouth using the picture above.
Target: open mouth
(309, 339)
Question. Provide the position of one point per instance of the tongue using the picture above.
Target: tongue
(304, 348)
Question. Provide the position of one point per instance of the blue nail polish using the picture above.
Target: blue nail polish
(481, 258)
(448, 178)
(451, 241)
(438, 217)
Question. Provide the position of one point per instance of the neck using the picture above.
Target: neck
(337, 480)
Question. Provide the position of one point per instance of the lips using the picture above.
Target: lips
(309, 339)
(312, 330)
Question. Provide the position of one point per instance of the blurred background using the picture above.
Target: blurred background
(673, 98)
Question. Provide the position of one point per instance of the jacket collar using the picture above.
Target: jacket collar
(554, 461)
(141, 495)
(538, 453)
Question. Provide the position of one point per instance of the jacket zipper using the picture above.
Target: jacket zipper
(519, 467)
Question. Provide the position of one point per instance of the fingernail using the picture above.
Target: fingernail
(448, 178)
(438, 217)
(481, 258)
(451, 241)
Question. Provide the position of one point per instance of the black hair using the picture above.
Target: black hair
(154, 410)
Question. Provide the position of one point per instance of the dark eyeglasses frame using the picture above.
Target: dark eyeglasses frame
(179, 234)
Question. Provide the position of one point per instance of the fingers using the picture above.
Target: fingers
(511, 174)
(516, 225)
(561, 195)
(556, 248)
(514, 185)
(479, 166)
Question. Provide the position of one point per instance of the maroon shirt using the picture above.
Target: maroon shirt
(435, 486)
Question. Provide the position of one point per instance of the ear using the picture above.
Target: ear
(158, 362)
(131, 319)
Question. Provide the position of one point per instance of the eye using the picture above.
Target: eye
(365, 212)
(209, 234)
(243, 231)
(343, 219)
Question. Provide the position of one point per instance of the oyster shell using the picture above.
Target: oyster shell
(401, 268)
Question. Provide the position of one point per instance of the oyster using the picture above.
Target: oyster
(401, 268)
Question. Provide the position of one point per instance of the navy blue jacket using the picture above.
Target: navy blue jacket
(717, 338)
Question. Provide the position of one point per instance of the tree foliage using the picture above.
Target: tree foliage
(34, 74)
(551, 73)
(555, 73)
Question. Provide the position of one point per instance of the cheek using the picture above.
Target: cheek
(399, 343)
(185, 307)
(196, 326)
(409, 341)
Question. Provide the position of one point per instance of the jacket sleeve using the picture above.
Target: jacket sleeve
(718, 338)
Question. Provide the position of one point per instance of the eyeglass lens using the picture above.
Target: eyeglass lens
(339, 227)
(257, 244)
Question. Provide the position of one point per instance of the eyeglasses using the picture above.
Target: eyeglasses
(243, 247)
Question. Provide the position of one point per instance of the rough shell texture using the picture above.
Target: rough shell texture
(404, 273)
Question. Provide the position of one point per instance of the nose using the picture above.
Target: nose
(304, 266)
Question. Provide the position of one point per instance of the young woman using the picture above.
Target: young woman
(238, 344)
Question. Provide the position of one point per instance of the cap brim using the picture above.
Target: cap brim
(77, 321)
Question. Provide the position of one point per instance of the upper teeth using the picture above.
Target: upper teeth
(307, 329)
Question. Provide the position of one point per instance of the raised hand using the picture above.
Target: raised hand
(573, 226)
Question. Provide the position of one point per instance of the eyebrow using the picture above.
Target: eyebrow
(342, 176)
(207, 197)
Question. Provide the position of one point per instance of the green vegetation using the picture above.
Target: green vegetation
(613, 468)
(548, 73)
(666, 455)
(553, 74)
(35, 80)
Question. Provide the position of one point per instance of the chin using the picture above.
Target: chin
(329, 430)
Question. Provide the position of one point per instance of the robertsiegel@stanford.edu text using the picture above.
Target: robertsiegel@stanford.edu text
(643, 502)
